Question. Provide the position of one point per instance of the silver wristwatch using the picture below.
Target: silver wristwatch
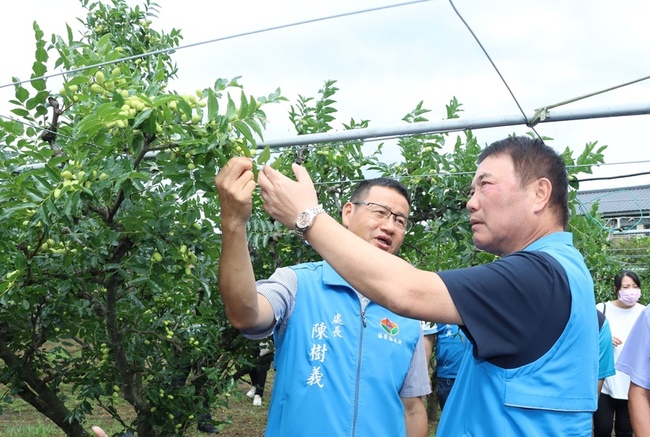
(306, 218)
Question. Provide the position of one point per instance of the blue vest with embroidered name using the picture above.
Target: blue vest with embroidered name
(339, 368)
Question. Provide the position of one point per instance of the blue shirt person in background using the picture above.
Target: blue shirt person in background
(606, 350)
(450, 349)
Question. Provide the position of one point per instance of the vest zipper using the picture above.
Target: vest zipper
(355, 415)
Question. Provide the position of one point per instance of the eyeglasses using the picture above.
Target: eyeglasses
(381, 213)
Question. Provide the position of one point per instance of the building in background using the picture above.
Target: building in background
(626, 211)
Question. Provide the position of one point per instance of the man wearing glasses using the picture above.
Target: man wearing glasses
(345, 366)
(532, 362)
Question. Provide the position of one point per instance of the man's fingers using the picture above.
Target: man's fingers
(301, 173)
(237, 166)
(269, 172)
(238, 174)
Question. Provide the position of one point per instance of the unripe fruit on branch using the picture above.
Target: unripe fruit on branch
(97, 88)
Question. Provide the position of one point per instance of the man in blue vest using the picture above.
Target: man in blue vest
(345, 366)
(532, 366)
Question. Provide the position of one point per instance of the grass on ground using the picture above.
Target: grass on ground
(242, 418)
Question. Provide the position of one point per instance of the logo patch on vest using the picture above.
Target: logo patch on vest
(391, 328)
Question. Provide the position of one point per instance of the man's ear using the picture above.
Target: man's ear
(543, 191)
(346, 213)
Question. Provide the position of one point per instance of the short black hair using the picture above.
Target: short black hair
(361, 191)
(533, 159)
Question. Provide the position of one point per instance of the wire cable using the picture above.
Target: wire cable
(238, 35)
(575, 99)
(487, 55)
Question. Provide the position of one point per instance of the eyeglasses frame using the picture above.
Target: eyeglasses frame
(409, 223)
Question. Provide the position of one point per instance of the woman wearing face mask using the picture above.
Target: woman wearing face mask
(621, 314)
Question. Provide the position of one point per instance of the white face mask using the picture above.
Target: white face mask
(629, 296)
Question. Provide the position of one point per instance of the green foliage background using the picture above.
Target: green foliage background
(109, 241)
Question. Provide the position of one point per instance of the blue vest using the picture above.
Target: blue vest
(450, 350)
(552, 396)
(339, 369)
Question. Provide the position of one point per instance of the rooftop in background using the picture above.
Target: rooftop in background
(627, 209)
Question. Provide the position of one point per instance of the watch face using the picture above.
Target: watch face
(303, 220)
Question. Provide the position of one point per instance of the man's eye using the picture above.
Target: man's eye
(381, 213)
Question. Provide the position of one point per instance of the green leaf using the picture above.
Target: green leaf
(242, 127)
(78, 80)
(89, 126)
(213, 106)
(243, 106)
(141, 117)
(255, 126)
(20, 112)
(41, 55)
(231, 110)
(34, 194)
(264, 156)
(34, 102)
(164, 99)
(37, 31)
(22, 94)
(19, 261)
(185, 107)
(39, 70)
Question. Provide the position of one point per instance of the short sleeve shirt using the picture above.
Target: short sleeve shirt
(605, 348)
(513, 309)
(635, 356)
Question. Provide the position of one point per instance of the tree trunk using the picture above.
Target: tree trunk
(39, 394)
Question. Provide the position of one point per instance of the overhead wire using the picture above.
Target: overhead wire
(324, 18)
(225, 38)
(186, 46)
(540, 113)
(487, 55)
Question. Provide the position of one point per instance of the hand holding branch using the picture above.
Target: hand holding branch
(284, 198)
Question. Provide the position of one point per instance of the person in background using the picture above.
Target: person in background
(258, 375)
(621, 314)
(450, 349)
(528, 316)
(634, 361)
(344, 365)
(606, 350)
(429, 331)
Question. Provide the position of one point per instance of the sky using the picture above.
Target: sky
(387, 61)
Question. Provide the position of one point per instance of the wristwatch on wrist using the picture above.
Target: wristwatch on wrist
(306, 218)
